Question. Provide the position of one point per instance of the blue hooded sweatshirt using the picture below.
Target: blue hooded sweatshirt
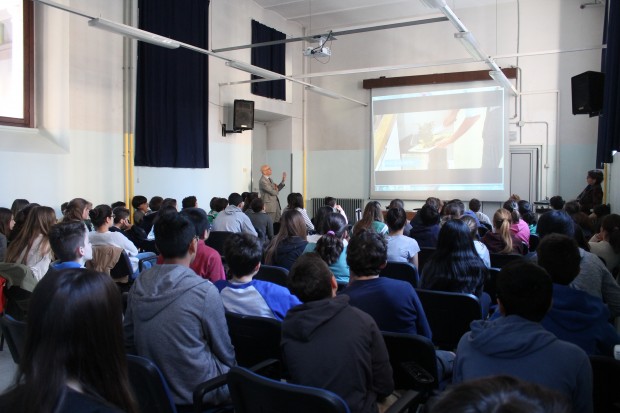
(521, 348)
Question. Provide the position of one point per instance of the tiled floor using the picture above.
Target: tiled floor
(7, 369)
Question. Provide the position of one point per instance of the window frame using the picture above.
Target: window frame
(27, 121)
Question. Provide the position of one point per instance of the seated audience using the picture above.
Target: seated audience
(393, 304)
(289, 243)
(329, 344)
(481, 249)
(598, 214)
(572, 208)
(497, 394)
(502, 240)
(20, 221)
(331, 202)
(516, 344)
(456, 266)
(557, 202)
(6, 225)
(141, 208)
(332, 245)
(401, 248)
(527, 215)
(318, 217)
(134, 233)
(78, 210)
(244, 295)
(248, 197)
(594, 278)
(296, 202)
(194, 346)
(17, 205)
(189, 202)
(71, 245)
(606, 244)
(575, 316)
(232, 219)
(425, 226)
(118, 204)
(474, 206)
(31, 247)
(519, 227)
(217, 205)
(261, 220)
(149, 217)
(372, 219)
(207, 263)
(398, 203)
(101, 217)
(73, 358)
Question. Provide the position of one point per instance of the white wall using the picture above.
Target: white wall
(339, 132)
(77, 149)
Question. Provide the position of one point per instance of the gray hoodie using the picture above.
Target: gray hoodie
(233, 219)
(176, 319)
(518, 347)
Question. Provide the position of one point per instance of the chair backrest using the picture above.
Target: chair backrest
(255, 339)
(404, 348)
(605, 384)
(273, 274)
(111, 260)
(490, 284)
(499, 260)
(252, 393)
(449, 315)
(149, 386)
(14, 332)
(217, 239)
(534, 241)
(423, 256)
(403, 271)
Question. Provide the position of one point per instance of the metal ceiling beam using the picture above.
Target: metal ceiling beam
(332, 34)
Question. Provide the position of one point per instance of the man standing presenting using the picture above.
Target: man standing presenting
(269, 192)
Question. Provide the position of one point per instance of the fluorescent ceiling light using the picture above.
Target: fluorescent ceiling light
(434, 4)
(255, 70)
(134, 33)
(323, 92)
(501, 78)
(471, 44)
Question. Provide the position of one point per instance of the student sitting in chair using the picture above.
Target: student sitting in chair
(329, 344)
(244, 295)
(518, 345)
(71, 245)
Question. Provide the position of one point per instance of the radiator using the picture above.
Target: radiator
(348, 204)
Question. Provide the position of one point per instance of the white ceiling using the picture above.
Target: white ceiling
(320, 15)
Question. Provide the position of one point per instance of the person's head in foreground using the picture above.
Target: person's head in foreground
(524, 289)
(74, 346)
(311, 279)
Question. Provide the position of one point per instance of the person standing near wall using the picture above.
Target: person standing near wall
(269, 192)
(592, 195)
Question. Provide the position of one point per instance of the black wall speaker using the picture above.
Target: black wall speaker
(243, 118)
(587, 93)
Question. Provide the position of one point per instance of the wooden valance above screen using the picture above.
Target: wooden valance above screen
(436, 78)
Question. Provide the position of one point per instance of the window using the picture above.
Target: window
(16, 63)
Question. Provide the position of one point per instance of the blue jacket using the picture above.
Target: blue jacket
(518, 347)
(581, 319)
(393, 304)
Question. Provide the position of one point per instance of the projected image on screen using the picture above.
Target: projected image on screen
(445, 143)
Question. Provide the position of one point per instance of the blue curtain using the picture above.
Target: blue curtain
(268, 57)
(609, 122)
(173, 86)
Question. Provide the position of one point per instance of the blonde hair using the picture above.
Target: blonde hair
(502, 220)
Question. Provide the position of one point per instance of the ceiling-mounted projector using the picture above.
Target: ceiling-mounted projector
(318, 51)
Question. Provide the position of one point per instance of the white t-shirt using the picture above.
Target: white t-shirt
(401, 248)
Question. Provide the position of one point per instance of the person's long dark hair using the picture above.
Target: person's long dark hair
(74, 333)
(330, 245)
(292, 224)
(455, 266)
